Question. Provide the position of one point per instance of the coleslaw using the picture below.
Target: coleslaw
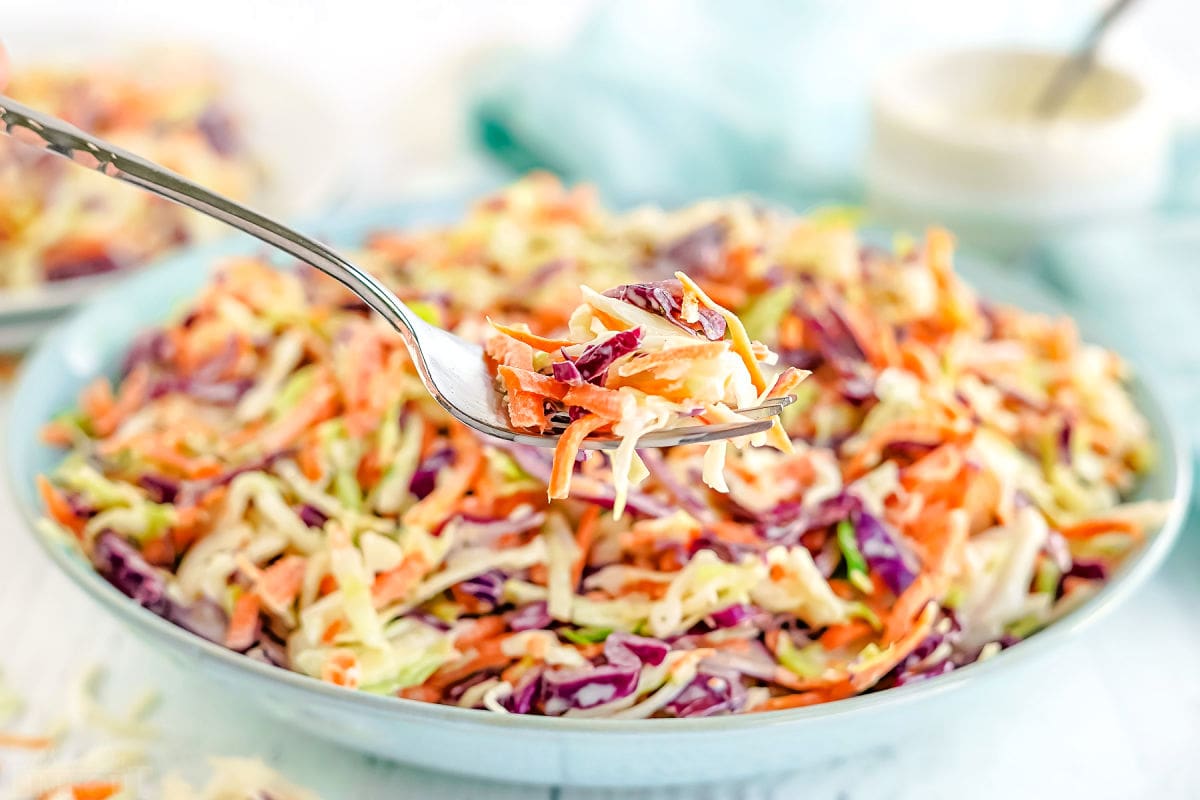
(58, 222)
(269, 473)
(638, 358)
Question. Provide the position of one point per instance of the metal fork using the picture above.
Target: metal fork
(451, 368)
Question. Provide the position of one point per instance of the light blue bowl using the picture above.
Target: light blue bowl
(524, 748)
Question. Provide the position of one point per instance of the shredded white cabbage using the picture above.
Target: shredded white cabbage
(799, 588)
(999, 567)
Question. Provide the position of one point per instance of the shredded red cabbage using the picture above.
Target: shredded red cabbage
(79, 506)
(66, 269)
(529, 617)
(487, 588)
(219, 393)
(712, 691)
(593, 363)
(150, 347)
(627, 649)
(525, 693)
(425, 478)
(189, 491)
(123, 566)
(689, 500)
(665, 298)
(790, 520)
(585, 687)
(841, 350)
(732, 615)
(312, 516)
(219, 130)
(455, 692)
(159, 488)
(884, 555)
(567, 372)
(700, 252)
(203, 618)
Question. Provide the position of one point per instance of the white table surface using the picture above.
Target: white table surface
(1113, 714)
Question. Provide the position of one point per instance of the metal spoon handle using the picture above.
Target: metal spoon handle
(61, 138)
(1071, 73)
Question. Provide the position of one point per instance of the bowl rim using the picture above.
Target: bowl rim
(1174, 455)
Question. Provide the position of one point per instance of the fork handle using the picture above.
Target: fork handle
(61, 138)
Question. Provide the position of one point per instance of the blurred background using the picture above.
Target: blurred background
(908, 112)
(669, 101)
(872, 104)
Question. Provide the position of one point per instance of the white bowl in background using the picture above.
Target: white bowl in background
(955, 140)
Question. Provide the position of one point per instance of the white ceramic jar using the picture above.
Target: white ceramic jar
(955, 140)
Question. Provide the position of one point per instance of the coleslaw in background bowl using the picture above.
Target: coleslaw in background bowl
(557, 751)
(235, 124)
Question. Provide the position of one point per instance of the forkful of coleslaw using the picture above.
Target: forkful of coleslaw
(669, 383)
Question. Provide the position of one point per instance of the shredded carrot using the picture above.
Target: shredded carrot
(425, 694)
(786, 382)
(481, 629)
(451, 486)
(243, 622)
(539, 574)
(606, 403)
(509, 352)
(341, 668)
(97, 400)
(132, 395)
(585, 533)
(897, 651)
(652, 361)
(159, 551)
(318, 406)
(19, 741)
(369, 470)
(280, 583)
(734, 532)
(89, 790)
(396, 583)
(797, 700)
(58, 507)
(876, 338)
(309, 459)
(525, 409)
(526, 381)
(900, 430)
(1099, 525)
(653, 590)
(522, 334)
(56, 434)
(737, 332)
(488, 654)
(332, 630)
(836, 636)
(564, 453)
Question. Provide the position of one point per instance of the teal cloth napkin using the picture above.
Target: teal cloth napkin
(677, 99)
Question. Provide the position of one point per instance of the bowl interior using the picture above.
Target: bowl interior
(93, 340)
